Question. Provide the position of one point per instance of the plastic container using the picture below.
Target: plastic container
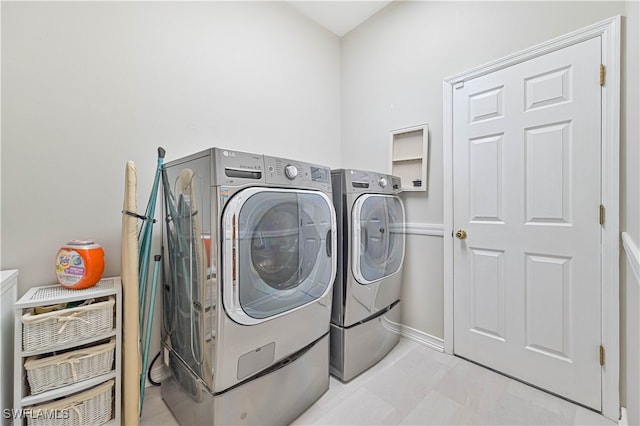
(79, 264)
(206, 239)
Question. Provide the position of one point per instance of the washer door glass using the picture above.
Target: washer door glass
(378, 237)
(284, 250)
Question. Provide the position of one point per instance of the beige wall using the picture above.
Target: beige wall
(420, 296)
(87, 86)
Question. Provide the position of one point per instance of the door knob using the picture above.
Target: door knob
(461, 234)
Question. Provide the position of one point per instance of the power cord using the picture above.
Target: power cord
(149, 370)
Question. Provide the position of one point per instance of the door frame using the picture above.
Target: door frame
(609, 30)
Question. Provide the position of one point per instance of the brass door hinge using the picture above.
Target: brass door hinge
(601, 214)
(602, 73)
(601, 355)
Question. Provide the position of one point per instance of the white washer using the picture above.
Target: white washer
(247, 304)
(366, 293)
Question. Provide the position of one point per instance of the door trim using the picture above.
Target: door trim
(609, 31)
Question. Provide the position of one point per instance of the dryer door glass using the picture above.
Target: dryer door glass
(378, 237)
(284, 251)
(373, 239)
(395, 223)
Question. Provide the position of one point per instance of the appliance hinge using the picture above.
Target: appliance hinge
(602, 72)
(601, 355)
(459, 85)
(601, 214)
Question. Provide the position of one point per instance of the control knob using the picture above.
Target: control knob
(290, 171)
(383, 182)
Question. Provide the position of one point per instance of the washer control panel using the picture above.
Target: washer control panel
(285, 172)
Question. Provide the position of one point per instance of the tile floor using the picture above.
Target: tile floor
(416, 385)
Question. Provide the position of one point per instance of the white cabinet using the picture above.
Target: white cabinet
(8, 296)
(409, 153)
(67, 360)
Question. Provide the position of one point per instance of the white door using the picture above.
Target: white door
(527, 193)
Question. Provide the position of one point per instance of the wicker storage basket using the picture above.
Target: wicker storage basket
(91, 408)
(45, 373)
(56, 328)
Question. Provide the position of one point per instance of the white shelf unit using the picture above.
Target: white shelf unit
(52, 295)
(8, 296)
(409, 153)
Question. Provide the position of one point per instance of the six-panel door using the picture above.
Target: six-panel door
(527, 194)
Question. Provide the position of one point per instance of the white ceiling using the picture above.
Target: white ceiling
(339, 17)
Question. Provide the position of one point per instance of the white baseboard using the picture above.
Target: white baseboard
(418, 336)
(624, 421)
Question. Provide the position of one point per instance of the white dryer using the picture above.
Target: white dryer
(366, 293)
(247, 300)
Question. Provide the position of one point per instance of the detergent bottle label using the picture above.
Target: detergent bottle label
(70, 267)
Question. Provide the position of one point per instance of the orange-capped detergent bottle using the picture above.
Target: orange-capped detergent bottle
(80, 264)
